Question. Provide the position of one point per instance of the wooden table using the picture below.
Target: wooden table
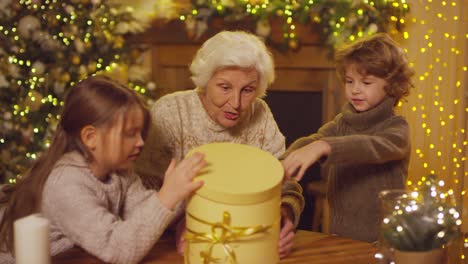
(309, 247)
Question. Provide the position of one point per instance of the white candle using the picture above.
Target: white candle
(31, 234)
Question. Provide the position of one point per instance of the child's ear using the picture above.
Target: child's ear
(88, 136)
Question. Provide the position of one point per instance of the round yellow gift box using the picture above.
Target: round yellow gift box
(235, 216)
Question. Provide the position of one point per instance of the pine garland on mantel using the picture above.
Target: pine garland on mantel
(338, 20)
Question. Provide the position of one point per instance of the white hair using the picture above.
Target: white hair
(233, 49)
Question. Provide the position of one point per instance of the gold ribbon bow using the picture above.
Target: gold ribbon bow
(221, 233)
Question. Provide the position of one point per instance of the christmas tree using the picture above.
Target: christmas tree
(46, 47)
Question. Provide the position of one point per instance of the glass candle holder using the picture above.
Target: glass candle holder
(390, 201)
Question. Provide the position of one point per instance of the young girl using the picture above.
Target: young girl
(84, 183)
(366, 148)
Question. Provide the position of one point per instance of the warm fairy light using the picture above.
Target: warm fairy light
(443, 149)
(444, 118)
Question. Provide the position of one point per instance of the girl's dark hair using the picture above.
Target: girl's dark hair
(381, 56)
(94, 101)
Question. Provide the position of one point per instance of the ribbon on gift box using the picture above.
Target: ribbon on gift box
(222, 233)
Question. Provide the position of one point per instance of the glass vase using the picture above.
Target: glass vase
(390, 200)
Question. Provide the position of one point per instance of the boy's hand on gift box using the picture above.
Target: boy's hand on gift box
(178, 180)
(296, 163)
(286, 239)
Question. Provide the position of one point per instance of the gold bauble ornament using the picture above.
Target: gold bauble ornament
(92, 67)
(293, 44)
(65, 77)
(315, 17)
(88, 44)
(108, 36)
(75, 59)
(118, 42)
(33, 102)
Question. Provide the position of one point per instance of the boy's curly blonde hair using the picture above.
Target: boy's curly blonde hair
(378, 55)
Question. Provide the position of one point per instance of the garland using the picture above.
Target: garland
(338, 21)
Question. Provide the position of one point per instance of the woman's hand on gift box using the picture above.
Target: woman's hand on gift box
(287, 232)
(180, 236)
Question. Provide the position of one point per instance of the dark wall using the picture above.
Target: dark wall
(299, 114)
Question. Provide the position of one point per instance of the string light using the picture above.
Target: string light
(446, 118)
(441, 150)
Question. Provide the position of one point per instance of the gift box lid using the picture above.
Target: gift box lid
(238, 174)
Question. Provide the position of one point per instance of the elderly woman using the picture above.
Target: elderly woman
(232, 71)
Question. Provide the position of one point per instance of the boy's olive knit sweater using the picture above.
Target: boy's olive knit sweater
(369, 153)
